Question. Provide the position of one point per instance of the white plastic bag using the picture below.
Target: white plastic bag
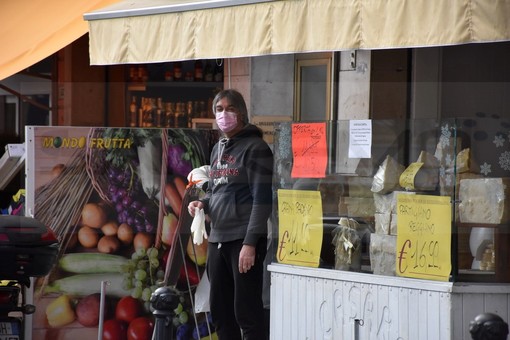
(198, 226)
(202, 295)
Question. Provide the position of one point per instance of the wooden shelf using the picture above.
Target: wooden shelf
(173, 84)
(482, 225)
(200, 93)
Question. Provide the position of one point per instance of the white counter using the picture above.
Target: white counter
(313, 303)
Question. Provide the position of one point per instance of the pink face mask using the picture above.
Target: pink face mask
(227, 121)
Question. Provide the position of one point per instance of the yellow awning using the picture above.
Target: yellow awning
(141, 31)
(31, 30)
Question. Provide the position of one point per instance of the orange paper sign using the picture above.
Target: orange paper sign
(309, 149)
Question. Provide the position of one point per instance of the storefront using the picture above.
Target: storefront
(378, 256)
(453, 165)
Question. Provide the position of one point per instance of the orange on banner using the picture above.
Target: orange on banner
(309, 149)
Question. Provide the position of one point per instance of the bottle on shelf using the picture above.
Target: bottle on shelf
(142, 74)
(158, 122)
(189, 113)
(202, 109)
(180, 119)
(169, 114)
(151, 119)
(199, 72)
(188, 76)
(210, 113)
(139, 74)
(133, 112)
(148, 112)
(209, 72)
(141, 111)
(169, 75)
(196, 110)
(184, 118)
(133, 73)
(145, 74)
(178, 71)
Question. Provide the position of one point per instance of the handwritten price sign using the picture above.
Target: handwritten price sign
(309, 149)
(424, 237)
(407, 177)
(300, 227)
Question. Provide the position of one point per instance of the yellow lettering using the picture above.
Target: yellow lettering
(47, 142)
(109, 143)
(74, 142)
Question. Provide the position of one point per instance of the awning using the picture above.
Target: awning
(144, 31)
(32, 30)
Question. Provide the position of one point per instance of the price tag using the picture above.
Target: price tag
(424, 237)
(310, 151)
(300, 227)
(406, 180)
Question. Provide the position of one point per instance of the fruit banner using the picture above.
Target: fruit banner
(113, 197)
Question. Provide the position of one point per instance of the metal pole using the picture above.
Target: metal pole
(357, 323)
(101, 309)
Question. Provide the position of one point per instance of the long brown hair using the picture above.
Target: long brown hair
(236, 100)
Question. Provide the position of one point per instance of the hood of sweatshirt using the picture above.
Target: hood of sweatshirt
(249, 131)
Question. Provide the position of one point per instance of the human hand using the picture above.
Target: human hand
(194, 204)
(246, 258)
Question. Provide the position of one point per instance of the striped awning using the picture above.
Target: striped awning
(144, 31)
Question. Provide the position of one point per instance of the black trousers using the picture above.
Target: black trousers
(236, 298)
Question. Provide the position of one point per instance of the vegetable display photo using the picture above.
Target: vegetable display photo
(113, 197)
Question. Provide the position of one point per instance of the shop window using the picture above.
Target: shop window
(423, 178)
(314, 83)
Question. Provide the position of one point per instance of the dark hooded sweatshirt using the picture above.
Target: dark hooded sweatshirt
(239, 193)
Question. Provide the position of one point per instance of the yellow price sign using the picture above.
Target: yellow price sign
(300, 227)
(424, 237)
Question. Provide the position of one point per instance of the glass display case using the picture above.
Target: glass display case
(417, 198)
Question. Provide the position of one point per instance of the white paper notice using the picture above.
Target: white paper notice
(360, 138)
